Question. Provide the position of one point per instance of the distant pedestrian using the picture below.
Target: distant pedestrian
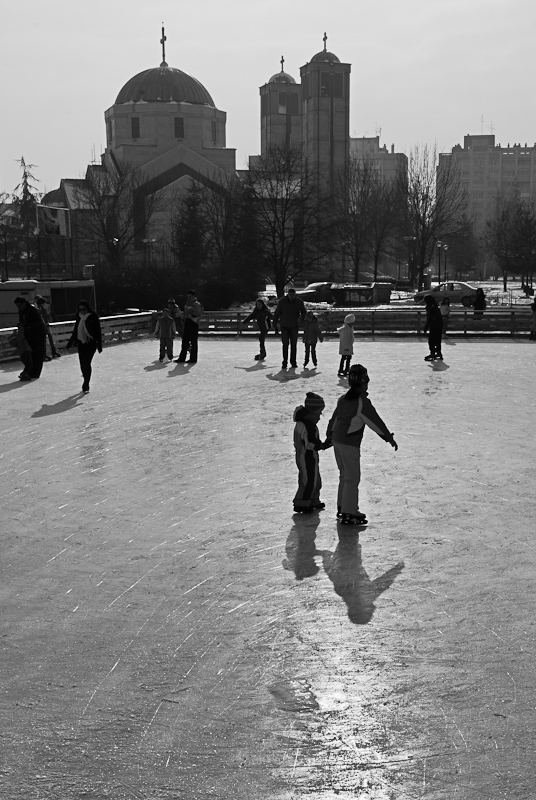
(445, 312)
(289, 314)
(193, 311)
(345, 431)
(165, 330)
(479, 303)
(346, 344)
(263, 317)
(307, 443)
(87, 337)
(40, 302)
(434, 327)
(33, 328)
(311, 335)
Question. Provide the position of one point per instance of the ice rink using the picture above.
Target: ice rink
(170, 629)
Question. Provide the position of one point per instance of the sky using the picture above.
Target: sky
(423, 71)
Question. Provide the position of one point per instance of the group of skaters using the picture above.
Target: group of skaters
(172, 322)
(33, 331)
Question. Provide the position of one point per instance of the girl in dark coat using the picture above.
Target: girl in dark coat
(434, 326)
(34, 331)
(88, 338)
(263, 318)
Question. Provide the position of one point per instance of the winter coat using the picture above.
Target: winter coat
(262, 316)
(165, 328)
(351, 414)
(34, 328)
(93, 328)
(311, 331)
(289, 313)
(346, 344)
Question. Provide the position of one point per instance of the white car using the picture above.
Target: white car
(456, 291)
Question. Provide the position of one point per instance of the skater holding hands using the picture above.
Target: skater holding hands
(307, 443)
(345, 431)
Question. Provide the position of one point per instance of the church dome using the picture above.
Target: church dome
(325, 55)
(282, 77)
(163, 84)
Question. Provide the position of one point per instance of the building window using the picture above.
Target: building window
(179, 127)
(109, 130)
(288, 103)
(135, 127)
(214, 132)
(331, 85)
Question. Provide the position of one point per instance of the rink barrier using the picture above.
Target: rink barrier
(512, 321)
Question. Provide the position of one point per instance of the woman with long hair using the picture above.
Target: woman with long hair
(87, 337)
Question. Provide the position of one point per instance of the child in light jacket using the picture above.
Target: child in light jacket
(311, 335)
(346, 344)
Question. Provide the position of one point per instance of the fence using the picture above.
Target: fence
(369, 321)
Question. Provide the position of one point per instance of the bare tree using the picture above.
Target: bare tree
(382, 218)
(114, 211)
(293, 217)
(354, 195)
(432, 205)
(511, 236)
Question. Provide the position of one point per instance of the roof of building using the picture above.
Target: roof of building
(325, 55)
(282, 77)
(163, 84)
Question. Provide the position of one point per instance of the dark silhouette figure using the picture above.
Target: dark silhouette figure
(351, 581)
(301, 548)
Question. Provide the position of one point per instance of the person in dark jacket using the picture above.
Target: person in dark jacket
(434, 326)
(345, 431)
(263, 317)
(307, 444)
(193, 311)
(479, 303)
(42, 308)
(289, 313)
(35, 333)
(87, 337)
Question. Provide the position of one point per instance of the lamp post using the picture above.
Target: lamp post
(445, 248)
(439, 245)
(410, 243)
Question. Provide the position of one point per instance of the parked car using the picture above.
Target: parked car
(316, 293)
(456, 291)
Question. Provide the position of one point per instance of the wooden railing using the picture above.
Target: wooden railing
(369, 321)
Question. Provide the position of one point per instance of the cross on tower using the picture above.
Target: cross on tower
(163, 43)
(325, 40)
(282, 62)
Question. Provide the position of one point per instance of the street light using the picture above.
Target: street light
(410, 241)
(441, 246)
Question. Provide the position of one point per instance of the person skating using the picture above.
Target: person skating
(311, 335)
(263, 317)
(346, 344)
(345, 431)
(40, 302)
(87, 337)
(434, 326)
(445, 312)
(33, 328)
(289, 313)
(165, 330)
(193, 311)
(307, 443)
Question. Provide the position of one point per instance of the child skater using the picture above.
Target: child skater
(263, 317)
(445, 312)
(346, 344)
(311, 335)
(345, 431)
(307, 444)
(165, 331)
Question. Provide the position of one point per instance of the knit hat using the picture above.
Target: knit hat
(357, 375)
(349, 318)
(313, 402)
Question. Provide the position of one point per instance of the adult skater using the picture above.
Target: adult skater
(191, 316)
(289, 313)
(345, 430)
(34, 331)
(434, 326)
(87, 337)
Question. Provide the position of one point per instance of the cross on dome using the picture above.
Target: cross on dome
(163, 43)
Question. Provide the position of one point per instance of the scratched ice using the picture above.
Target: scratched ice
(171, 630)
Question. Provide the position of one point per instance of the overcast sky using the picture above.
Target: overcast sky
(423, 71)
